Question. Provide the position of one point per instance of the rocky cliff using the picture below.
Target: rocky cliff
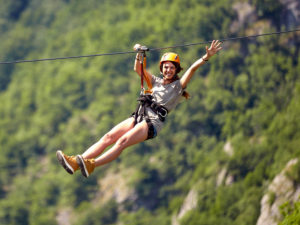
(280, 190)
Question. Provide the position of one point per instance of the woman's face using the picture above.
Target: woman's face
(168, 70)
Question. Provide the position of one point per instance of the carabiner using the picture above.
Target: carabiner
(143, 90)
(166, 113)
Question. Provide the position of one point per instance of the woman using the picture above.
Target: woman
(167, 93)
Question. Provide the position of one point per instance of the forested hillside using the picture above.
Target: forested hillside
(226, 143)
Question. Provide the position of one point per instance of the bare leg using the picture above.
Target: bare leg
(136, 135)
(109, 138)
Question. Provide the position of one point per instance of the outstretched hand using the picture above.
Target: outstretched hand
(213, 48)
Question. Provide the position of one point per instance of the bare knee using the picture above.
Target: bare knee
(108, 138)
(122, 141)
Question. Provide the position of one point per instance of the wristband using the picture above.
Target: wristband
(204, 59)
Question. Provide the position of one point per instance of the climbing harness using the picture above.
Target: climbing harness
(145, 99)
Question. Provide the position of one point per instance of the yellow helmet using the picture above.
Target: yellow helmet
(171, 57)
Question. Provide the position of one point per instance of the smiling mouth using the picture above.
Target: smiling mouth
(168, 76)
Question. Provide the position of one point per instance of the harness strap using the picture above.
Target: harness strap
(143, 63)
(149, 85)
(146, 101)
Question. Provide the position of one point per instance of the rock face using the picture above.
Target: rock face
(63, 217)
(245, 14)
(115, 186)
(280, 190)
(228, 148)
(221, 176)
(190, 202)
(291, 14)
(229, 180)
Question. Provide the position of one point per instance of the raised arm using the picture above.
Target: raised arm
(137, 64)
(190, 72)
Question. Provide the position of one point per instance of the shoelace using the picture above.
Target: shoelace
(91, 161)
(70, 157)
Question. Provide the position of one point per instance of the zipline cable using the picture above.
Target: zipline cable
(222, 40)
(154, 49)
(70, 57)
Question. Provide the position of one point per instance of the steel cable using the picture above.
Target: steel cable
(154, 49)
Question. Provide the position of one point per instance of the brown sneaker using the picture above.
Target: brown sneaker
(87, 166)
(68, 162)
